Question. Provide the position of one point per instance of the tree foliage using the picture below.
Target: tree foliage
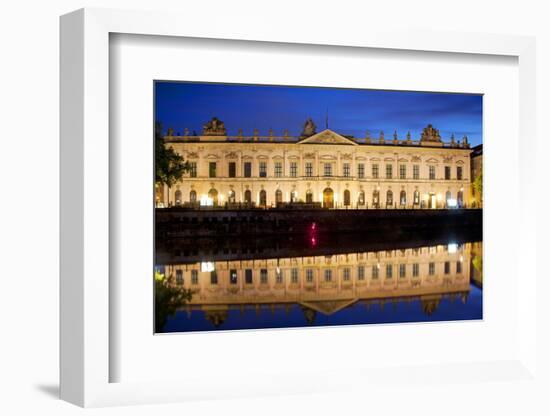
(168, 299)
(169, 166)
(478, 184)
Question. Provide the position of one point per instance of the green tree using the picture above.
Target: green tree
(168, 299)
(169, 166)
(478, 186)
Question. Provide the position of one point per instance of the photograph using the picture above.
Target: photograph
(283, 206)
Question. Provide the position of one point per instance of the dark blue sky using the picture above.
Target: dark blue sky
(350, 111)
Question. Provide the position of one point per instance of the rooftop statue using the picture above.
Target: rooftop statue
(309, 128)
(430, 134)
(214, 127)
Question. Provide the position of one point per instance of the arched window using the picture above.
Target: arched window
(403, 198)
(389, 197)
(328, 198)
(213, 195)
(293, 196)
(416, 200)
(178, 197)
(278, 196)
(309, 196)
(376, 198)
(347, 198)
(361, 198)
(263, 198)
(193, 196)
(447, 198)
(248, 196)
(460, 199)
(231, 196)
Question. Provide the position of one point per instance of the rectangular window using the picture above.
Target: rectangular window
(263, 276)
(213, 277)
(361, 273)
(194, 277)
(458, 267)
(328, 169)
(375, 271)
(247, 169)
(402, 171)
(431, 269)
(233, 276)
(459, 173)
(193, 169)
(346, 274)
(416, 270)
(309, 169)
(248, 276)
(389, 271)
(278, 169)
(309, 275)
(375, 171)
(346, 170)
(279, 276)
(293, 169)
(232, 169)
(361, 170)
(447, 267)
(212, 169)
(416, 172)
(328, 275)
(294, 275)
(432, 172)
(402, 270)
(263, 169)
(389, 171)
(179, 277)
(447, 173)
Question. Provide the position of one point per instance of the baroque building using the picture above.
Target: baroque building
(322, 169)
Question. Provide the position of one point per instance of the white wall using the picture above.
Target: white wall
(29, 172)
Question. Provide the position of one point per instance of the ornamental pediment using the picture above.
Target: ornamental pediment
(432, 160)
(402, 159)
(327, 137)
(212, 156)
(327, 157)
(192, 155)
(459, 162)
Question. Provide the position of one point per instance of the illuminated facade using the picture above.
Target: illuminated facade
(327, 284)
(323, 169)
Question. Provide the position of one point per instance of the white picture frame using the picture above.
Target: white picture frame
(85, 216)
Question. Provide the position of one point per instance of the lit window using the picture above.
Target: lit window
(278, 169)
(416, 172)
(375, 272)
(389, 271)
(279, 276)
(193, 169)
(346, 170)
(432, 172)
(361, 273)
(179, 277)
(263, 169)
(233, 276)
(309, 275)
(375, 171)
(402, 270)
(346, 274)
(293, 169)
(416, 270)
(294, 275)
(263, 276)
(360, 170)
(389, 171)
(309, 169)
(402, 171)
(431, 269)
(328, 275)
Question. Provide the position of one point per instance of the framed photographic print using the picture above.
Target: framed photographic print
(289, 212)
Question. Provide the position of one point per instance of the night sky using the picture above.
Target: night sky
(350, 111)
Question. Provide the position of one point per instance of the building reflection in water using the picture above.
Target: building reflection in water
(394, 285)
